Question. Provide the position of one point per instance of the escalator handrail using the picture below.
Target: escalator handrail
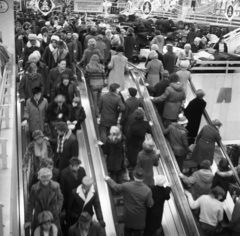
(220, 144)
(190, 216)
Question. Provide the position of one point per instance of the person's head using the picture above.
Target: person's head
(160, 180)
(182, 120)
(223, 165)
(93, 30)
(85, 220)
(75, 36)
(186, 27)
(69, 35)
(138, 174)
(148, 145)
(130, 30)
(92, 43)
(45, 219)
(44, 176)
(165, 74)
(54, 40)
(204, 40)
(99, 37)
(153, 55)
(32, 39)
(115, 88)
(205, 164)
(61, 128)
(115, 133)
(76, 102)
(62, 64)
(108, 33)
(132, 91)
(154, 47)
(48, 163)
(44, 31)
(37, 92)
(87, 183)
(65, 79)
(173, 78)
(63, 34)
(158, 32)
(184, 64)
(59, 99)
(169, 47)
(60, 45)
(115, 42)
(197, 41)
(138, 114)
(187, 47)
(32, 69)
(218, 193)
(200, 93)
(120, 48)
(216, 123)
(40, 37)
(38, 136)
(32, 58)
(75, 163)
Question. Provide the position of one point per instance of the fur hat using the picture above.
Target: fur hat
(32, 37)
(37, 134)
(92, 42)
(182, 119)
(37, 54)
(32, 58)
(184, 64)
(54, 37)
(153, 55)
(154, 47)
(160, 180)
(40, 37)
(44, 174)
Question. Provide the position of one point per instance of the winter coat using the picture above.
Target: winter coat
(36, 203)
(170, 59)
(137, 196)
(35, 113)
(205, 144)
(234, 224)
(154, 70)
(101, 46)
(195, 48)
(107, 42)
(110, 105)
(217, 47)
(129, 44)
(131, 104)
(45, 44)
(159, 40)
(154, 214)
(193, 113)
(78, 114)
(71, 90)
(146, 160)
(135, 138)
(73, 49)
(54, 78)
(160, 58)
(78, 203)
(178, 138)
(68, 182)
(191, 36)
(29, 49)
(200, 182)
(173, 97)
(118, 66)
(94, 230)
(87, 37)
(87, 54)
(115, 151)
(27, 83)
(49, 60)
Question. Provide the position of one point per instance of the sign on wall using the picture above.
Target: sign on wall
(229, 13)
(88, 6)
(3, 6)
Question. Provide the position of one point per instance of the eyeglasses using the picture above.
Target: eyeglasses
(47, 222)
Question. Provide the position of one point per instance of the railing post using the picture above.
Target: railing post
(227, 67)
(3, 154)
(5, 116)
(1, 219)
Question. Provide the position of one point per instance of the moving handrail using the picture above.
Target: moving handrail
(191, 226)
(97, 162)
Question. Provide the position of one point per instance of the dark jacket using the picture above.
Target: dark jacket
(173, 97)
(170, 59)
(36, 203)
(27, 83)
(178, 138)
(193, 113)
(217, 47)
(94, 230)
(234, 224)
(77, 113)
(110, 106)
(195, 48)
(78, 203)
(70, 149)
(146, 160)
(154, 214)
(88, 54)
(73, 49)
(53, 111)
(191, 36)
(68, 182)
(45, 44)
(129, 44)
(205, 144)
(70, 91)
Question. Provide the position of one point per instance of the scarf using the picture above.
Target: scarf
(61, 141)
(49, 234)
(41, 151)
(56, 56)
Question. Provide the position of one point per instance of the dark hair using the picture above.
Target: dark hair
(173, 78)
(218, 191)
(205, 164)
(223, 165)
(120, 48)
(118, 30)
(158, 32)
(64, 76)
(60, 60)
(30, 67)
(113, 87)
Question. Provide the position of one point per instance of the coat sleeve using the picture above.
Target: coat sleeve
(30, 205)
(163, 97)
(184, 138)
(111, 64)
(97, 207)
(115, 186)
(235, 215)
(84, 59)
(82, 115)
(42, 84)
(167, 193)
(62, 183)
(69, 208)
(26, 111)
(189, 180)
(48, 83)
(149, 201)
(59, 200)
(121, 106)
(74, 148)
(76, 91)
(21, 88)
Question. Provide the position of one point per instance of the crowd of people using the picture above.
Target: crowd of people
(62, 199)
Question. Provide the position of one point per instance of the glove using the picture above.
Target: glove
(151, 98)
(74, 122)
(24, 123)
(102, 223)
(106, 178)
(22, 100)
(98, 120)
(60, 116)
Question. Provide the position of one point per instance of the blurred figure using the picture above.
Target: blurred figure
(49, 163)
(205, 142)
(107, 40)
(46, 227)
(200, 182)
(186, 53)
(46, 39)
(211, 209)
(194, 112)
(129, 43)
(101, 46)
(159, 40)
(221, 46)
(86, 226)
(170, 59)
(114, 149)
(160, 193)
(136, 136)
(154, 69)
(191, 35)
(196, 46)
(118, 67)
(147, 158)
(92, 35)
(154, 47)
(234, 224)
(134, 192)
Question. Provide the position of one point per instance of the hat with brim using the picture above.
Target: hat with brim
(37, 134)
(44, 174)
(32, 37)
(139, 174)
(182, 119)
(75, 161)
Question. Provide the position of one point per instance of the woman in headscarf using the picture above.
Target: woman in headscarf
(160, 55)
(159, 40)
(154, 69)
(186, 54)
(136, 136)
(37, 150)
(160, 193)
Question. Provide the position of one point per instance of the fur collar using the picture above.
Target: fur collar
(29, 45)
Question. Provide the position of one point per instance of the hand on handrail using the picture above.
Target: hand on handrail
(24, 123)
(22, 100)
